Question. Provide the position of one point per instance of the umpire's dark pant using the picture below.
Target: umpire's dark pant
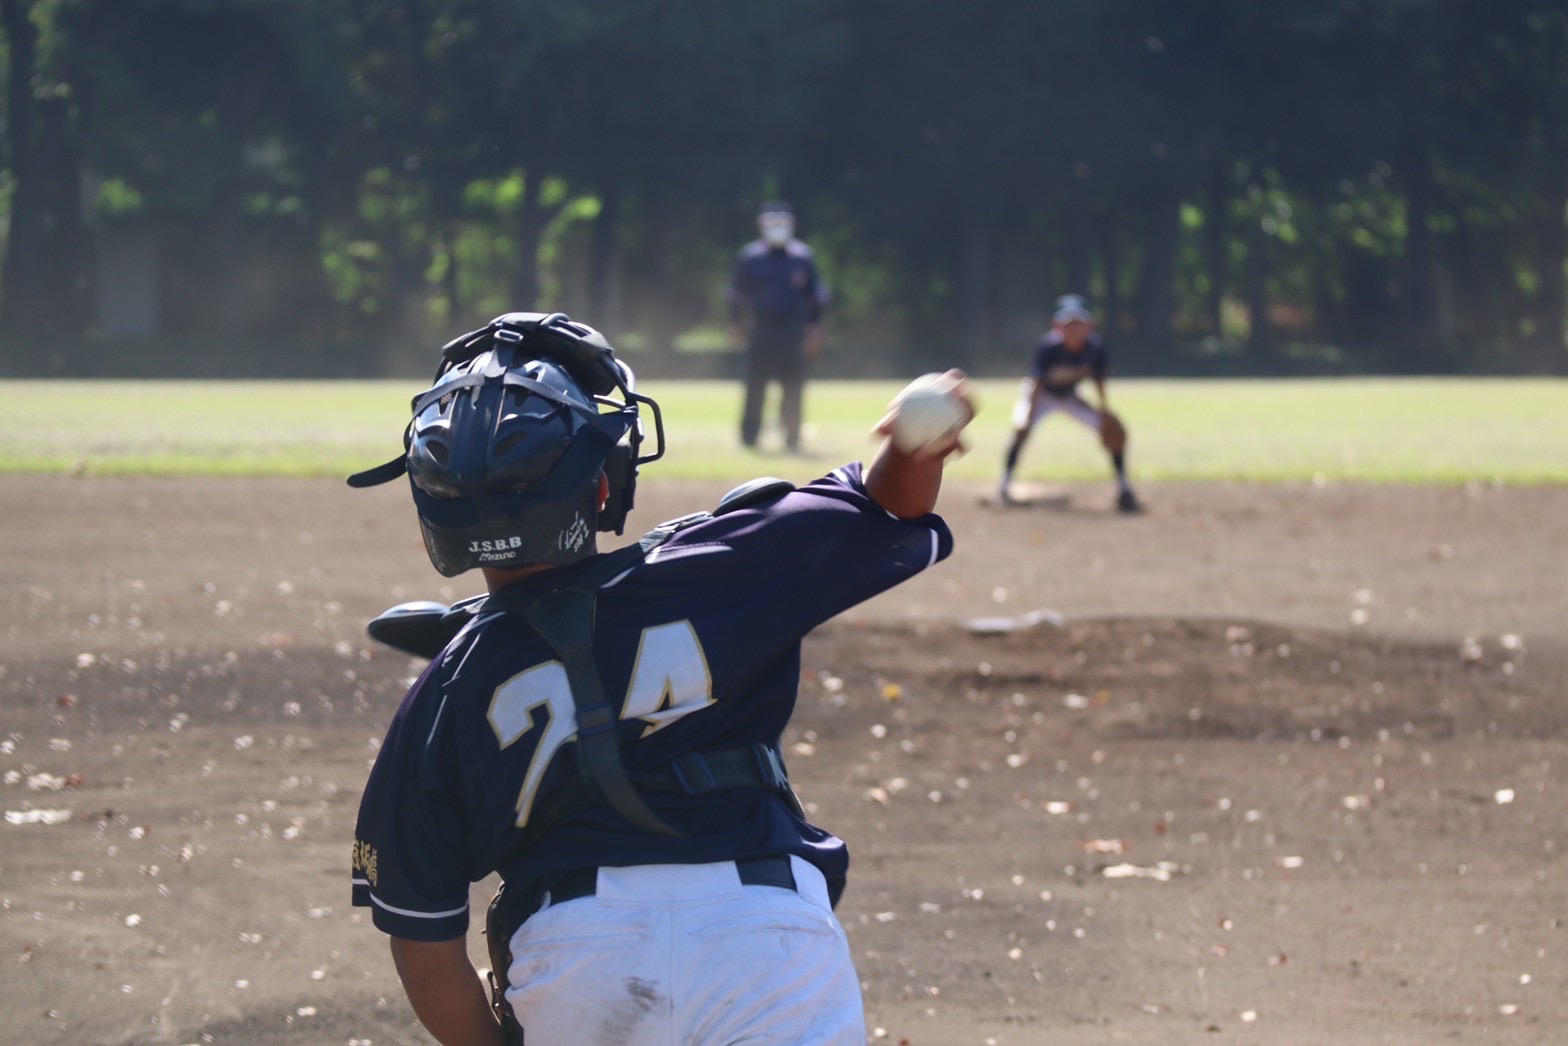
(774, 355)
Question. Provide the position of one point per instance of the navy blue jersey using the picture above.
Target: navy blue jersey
(700, 643)
(778, 286)
(1059, 370)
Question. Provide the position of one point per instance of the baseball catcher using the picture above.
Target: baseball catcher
(602, 728)
(1069, 353)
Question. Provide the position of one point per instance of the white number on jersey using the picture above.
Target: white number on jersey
(670, 679)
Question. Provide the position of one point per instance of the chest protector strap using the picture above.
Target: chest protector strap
(565, 619)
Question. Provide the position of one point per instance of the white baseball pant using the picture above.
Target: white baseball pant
(1071, 404)
(665, 954)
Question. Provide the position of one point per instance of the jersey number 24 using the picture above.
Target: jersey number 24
(670, 679)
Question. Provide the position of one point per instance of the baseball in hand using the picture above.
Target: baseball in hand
(930, 410)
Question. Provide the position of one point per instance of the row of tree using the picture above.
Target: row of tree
(1367, 184)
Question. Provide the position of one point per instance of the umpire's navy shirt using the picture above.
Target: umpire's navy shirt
(1059, 371)
(701, 643)
(778, 285)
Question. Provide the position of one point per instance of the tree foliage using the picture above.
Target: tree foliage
(1300, 184)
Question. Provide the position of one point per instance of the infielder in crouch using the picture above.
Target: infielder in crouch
(603, 729)
(1070, 352)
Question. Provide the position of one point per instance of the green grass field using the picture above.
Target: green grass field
(1418, 430)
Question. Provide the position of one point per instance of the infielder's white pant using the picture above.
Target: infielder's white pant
(1071, 404)
(674, 954)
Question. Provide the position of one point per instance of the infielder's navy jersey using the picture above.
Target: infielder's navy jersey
(779, 286)
(700, 643)
(1059, 371)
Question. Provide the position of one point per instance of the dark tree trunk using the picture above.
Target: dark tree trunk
(530, 229)
(602, 257)
(449, 280)
(45, 286)
(1327, 325)
(446, 228)
(1550, 254)
(23, 278)
(975, 285)
(405, 322)
(1215, 249)
(63, 304)
(1111, 273)
(1420, 285)
(1260, 335)
(1477, 313)
(225, 255)
(1156, 290)
(1078, 250)
(1548, 241)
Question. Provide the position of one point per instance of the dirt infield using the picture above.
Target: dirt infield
(1292, 770)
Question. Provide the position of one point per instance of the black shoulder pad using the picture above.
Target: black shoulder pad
(420, 628)
(753, 492)
(423, 628)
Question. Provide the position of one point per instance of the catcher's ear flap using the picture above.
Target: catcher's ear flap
(620, 467)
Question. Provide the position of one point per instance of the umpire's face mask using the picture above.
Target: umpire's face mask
(776, 232)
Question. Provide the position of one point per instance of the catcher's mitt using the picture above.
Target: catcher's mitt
(1113, 434)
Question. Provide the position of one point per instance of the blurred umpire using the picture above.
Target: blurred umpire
(776, 300)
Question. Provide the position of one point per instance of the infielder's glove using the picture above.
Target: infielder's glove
(1113, 434)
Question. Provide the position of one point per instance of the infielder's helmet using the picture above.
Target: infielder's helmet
(506, 447)
(1070, 308)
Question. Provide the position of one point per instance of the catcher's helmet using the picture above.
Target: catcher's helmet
(506, 447)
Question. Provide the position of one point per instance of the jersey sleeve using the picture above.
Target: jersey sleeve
(737, 293)
(1100, 363)
(863, 549)
(809, 555)
(408, 841)
(1040, 361)
(815, 294)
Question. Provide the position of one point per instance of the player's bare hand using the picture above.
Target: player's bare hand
(937, 431)
(813, 341)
